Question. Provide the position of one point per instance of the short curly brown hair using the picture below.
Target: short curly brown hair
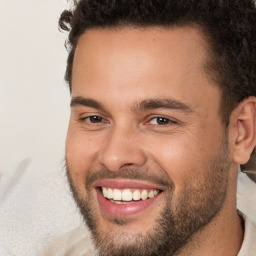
(229, 26)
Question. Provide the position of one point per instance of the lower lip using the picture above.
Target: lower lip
(123, 210)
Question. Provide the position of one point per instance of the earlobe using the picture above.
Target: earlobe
(245, 130)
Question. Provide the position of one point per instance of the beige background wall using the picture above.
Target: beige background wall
(33, 96)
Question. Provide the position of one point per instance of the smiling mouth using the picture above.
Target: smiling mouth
(124, 196)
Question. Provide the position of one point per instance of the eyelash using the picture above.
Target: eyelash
(161, 118)
(102, 120)
(84, 119)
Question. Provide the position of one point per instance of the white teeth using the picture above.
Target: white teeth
(127, 195)
(136, 195)
(105, 192)
(117, 194)
(151, 194)
(144, 194)
(110, 193)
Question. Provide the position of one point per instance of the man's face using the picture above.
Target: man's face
(147, 154)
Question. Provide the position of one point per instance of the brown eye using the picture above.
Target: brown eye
(95, 119)
(160, 121)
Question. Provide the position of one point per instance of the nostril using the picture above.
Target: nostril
(115, 157)
(126, 165)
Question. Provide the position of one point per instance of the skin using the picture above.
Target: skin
(134, 65)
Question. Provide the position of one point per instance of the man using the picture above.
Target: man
(163, 112)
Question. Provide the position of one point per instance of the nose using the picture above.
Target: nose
(122, 150)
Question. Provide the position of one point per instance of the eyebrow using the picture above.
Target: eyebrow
(162, 103)
(87, 102)
(139, 106)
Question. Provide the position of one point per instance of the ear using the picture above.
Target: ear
(243, 126)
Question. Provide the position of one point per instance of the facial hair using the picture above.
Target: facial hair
(200, 200)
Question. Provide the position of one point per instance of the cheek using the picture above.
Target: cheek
(81, 154)
(181, 157)
(176, 161)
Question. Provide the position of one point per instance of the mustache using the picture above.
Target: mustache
(132, 174)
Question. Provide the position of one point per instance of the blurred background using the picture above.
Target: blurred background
(35, 202)
(34, 100)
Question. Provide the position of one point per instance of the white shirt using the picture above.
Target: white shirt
(249, 243)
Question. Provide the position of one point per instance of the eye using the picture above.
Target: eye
(93, 122)
(160, 121)
(94, 119)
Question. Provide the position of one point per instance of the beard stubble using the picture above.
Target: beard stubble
(183, 215)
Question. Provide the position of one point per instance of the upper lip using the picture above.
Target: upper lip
(125, 183)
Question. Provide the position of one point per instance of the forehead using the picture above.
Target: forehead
(132, 62)
(184, 44)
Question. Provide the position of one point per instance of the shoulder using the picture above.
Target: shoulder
(74, 243)
(249, 245)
